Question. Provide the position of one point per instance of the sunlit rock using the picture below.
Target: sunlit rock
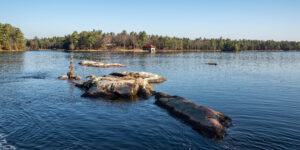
(100, 64)
(150, 77)
(114, 88)
(64, 77)
(78, 78)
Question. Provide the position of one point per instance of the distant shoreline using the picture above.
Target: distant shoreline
(141, 51)
(12, 50)
(144, 51)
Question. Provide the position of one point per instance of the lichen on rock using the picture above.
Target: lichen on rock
(114, 87)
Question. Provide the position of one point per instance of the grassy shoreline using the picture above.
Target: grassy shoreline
(12, 50)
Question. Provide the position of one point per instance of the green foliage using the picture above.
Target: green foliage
(96, 39)
(11, 38)
(142, 37)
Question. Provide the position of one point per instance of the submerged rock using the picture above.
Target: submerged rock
(100, 64)
(201, 118)
(150, 77)
(211, 63)
(114, 88)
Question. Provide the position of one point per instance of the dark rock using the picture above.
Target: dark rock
(212, 63)
(203, 119)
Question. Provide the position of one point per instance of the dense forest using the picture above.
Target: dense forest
(11, 38)
(96, 39)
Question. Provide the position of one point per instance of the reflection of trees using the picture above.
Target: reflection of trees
(11, 61)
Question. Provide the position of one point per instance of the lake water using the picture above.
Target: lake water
(260, 91)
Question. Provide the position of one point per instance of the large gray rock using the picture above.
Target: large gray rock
(114, 88)
(201, 118)
(100, 64)
(150, 77)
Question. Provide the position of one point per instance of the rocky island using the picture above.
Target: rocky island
(123, 84)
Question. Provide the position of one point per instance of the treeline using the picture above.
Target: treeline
(96, 39)
(11, 38)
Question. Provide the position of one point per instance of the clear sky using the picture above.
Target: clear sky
(235, 19)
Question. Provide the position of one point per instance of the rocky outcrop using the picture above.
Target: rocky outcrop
(100, 64)
(150, 77)
(201, 118)
(113, 88)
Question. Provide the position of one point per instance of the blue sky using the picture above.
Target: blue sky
(235, 19)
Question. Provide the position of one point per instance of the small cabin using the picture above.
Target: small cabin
(149, 47)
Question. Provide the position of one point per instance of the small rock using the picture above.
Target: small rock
(78, 78)
(64, 77)
(91, 77)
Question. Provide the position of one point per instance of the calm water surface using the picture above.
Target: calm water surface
(260, 91)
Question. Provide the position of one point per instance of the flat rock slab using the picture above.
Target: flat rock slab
(100, 64)
(149, 77)
(203, 119)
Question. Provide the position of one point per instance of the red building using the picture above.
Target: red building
(149, 47)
